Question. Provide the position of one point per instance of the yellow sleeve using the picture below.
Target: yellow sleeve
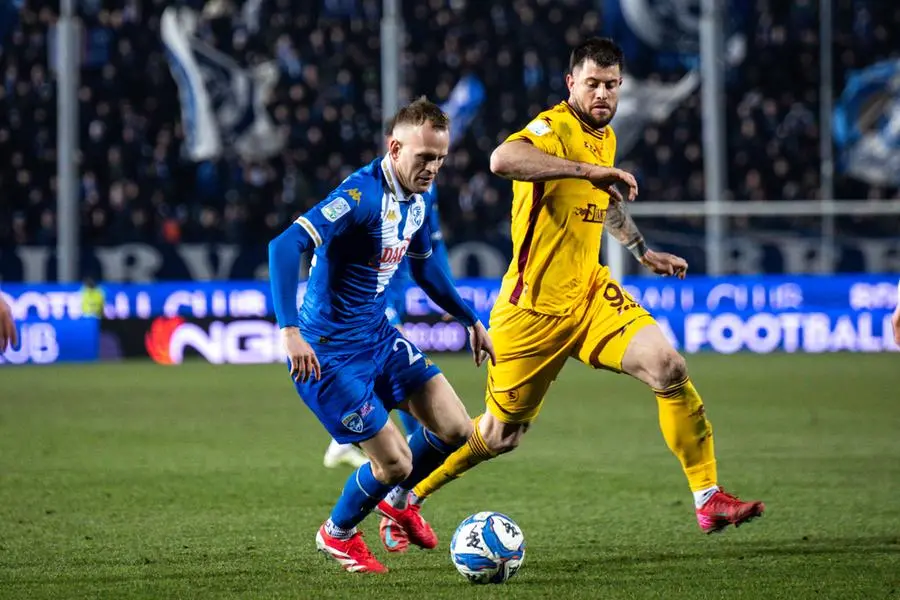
(543, 132)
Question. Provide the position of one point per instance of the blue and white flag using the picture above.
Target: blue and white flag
(867, 124)
(664, 35)
(466, 98)
(661, 36)
(222, 103)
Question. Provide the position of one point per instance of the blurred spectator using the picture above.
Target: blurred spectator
(135, 185)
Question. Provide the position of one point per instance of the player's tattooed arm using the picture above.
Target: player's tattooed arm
(622, 227)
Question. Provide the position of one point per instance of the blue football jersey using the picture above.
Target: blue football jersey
(402, 278)
(362, 231)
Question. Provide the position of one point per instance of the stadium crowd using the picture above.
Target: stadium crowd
(136, 185)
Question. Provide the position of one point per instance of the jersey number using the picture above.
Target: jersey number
(410, 351)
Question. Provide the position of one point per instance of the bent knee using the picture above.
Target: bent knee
(456, 435)
(394, 470)
(667, 370)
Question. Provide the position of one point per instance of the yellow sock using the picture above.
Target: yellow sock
(688, 433)
(474, 452)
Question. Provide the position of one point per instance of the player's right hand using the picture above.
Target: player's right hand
(304, 362)
(607, 178)
(8, 333)
(482, 346)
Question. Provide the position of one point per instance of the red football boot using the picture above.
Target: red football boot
(723, 509)
(393, 536)
(417, 529)
(352, 554)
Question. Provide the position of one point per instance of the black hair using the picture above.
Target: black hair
(603, 51)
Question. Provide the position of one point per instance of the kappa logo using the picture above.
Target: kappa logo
(355, 194)
(353, 422)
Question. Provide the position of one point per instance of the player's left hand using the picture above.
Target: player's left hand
(665, 264)
(482, 346)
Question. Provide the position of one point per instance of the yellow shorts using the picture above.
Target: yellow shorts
(532, 348)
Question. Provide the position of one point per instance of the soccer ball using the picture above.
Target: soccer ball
(487, 547)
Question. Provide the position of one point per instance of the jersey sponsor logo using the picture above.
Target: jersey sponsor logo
(389, 257)
(591, 213)
(353, 422)
(539, 127)
(335, 209)
(366, 410)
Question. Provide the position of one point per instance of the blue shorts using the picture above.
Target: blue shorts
(361, 385)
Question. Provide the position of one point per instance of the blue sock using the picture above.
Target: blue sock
(428, 452)
(361, 494)
(410, 423)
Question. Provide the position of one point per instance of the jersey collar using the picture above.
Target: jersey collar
(597, 133)
(390, 176)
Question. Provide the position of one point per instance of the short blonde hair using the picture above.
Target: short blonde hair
(417, 113)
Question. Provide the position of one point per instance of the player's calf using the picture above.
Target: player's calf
(500, 437)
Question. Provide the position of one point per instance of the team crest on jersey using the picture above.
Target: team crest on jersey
(353, 422)
(418, 215)
(539, 127)
(335, 209)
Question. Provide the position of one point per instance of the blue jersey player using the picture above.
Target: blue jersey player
(338, 454)
(402, 280)
(349, 365)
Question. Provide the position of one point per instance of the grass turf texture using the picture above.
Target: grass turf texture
(141, 481)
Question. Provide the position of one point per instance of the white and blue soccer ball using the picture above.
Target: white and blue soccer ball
(487, 547)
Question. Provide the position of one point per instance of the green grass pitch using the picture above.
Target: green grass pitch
(139, 481)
